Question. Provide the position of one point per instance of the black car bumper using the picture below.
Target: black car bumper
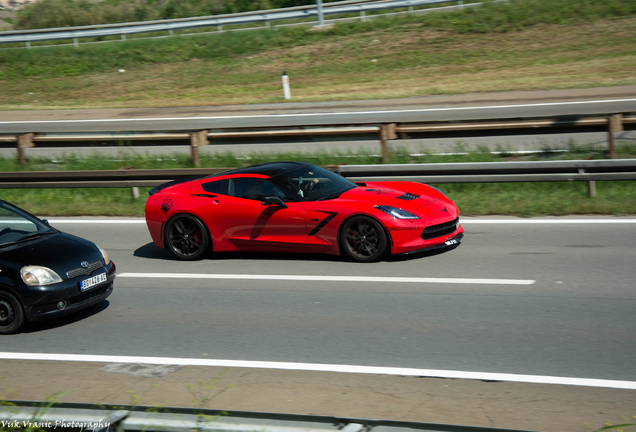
(66, 298)
(455, 241)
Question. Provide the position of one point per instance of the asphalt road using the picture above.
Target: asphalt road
(553, 299)
(485, 106)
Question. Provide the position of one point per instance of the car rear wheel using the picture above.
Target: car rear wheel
(363, 239)
(11, 314)
(187, 238)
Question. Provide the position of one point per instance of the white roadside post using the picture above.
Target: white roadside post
(321, 16)
(286, 86)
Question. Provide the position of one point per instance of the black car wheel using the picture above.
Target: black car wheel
(11, 314)
(187, 238)
(363, 239)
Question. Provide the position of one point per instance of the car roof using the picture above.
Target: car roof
(270, 169)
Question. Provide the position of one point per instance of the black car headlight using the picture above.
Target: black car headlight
(38, 275)
(396, 212)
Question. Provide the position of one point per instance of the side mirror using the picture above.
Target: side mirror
(273, 200)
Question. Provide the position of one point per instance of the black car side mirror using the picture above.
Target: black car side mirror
(273, 200)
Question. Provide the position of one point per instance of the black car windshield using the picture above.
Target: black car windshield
(17, 225)
(314, 183)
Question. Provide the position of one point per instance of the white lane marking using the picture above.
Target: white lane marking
(317, 367)
(547, 221)
(420, 110)
(95, 221)
(462, 220)
(317, 278)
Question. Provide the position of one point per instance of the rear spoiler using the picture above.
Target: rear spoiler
(156, 189)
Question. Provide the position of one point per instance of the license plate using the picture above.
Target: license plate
(91, 282)
(451, 242)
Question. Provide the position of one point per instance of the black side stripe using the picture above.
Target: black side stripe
(324, 222)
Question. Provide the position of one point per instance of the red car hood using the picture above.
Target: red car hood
(377, 193)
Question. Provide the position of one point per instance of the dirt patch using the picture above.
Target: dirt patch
(14, 5)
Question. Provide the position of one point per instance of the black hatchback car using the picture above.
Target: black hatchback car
(45, 273)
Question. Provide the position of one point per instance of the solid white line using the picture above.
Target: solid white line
(463, 221)
(547, 221)
(433, 373)
(326, 113)
(316, 278)
(95, 221)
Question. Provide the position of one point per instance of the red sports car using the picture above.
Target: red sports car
(299, 207)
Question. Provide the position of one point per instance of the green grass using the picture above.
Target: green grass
(523, 45)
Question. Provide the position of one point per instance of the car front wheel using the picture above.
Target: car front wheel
(187, 238)
(11, 314)
(363, 239)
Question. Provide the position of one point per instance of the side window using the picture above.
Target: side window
(254, 189)
(220, 187)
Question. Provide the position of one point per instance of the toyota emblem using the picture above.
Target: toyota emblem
(84, 264)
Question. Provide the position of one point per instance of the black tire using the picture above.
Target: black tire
(363, 239)
(11, 314)
(187, 238)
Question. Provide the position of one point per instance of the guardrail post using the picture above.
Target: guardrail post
(321, 15)
(387, 132)
(615, 124)
(197, 139)
(24, 141)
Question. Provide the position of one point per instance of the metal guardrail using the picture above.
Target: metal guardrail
(111, 418)
(300, 12)
(384, 132)
(471, 172)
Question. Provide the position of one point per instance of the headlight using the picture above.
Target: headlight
(104, 255)
(396, 212)
(38, 275)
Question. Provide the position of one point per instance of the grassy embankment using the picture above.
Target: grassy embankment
(525, 45)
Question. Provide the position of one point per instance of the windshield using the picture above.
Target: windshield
(16, 225)
(314, 183)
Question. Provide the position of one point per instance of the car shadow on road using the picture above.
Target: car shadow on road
(425, 254)
(151, 251)
(38, 326)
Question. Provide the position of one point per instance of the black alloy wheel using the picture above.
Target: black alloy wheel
(187, 238)
(11, 314)
(363, 239)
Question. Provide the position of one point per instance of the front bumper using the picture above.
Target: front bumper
(453, 241)
(46, 305)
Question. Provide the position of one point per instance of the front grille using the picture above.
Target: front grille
(81, 271)
(408, 197)
(440, 230)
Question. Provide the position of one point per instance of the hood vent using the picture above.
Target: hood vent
(408, 197)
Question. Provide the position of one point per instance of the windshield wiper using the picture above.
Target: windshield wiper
(27, 237)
